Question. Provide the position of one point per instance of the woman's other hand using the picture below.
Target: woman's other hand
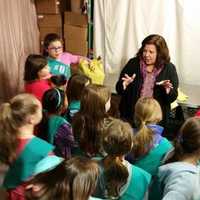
(127, 80)
(166, 84)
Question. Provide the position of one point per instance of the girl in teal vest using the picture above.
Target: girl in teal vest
(54, 128)
(88, 123)
(73, 179)
(149, 145)
(118, 178)
(75, 87)
(19, 148)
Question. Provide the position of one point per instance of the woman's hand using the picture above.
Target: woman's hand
(166, 84)
(127, 80)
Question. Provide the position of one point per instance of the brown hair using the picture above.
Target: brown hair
(87, 123)
(34, 63)
(187, 143)
(117, 142)
(147, 111)
(73, 179)
(13, 115)
(161, 47)
(75, 86)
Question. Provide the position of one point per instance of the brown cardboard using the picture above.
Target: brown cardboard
(47, 20)
(75, 19)
(50, 6)
(77, 47)
(75, 32)
(46, 30)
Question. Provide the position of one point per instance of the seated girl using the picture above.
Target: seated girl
(149, 145)
(54, 128)
(118, 178)
(36, 75)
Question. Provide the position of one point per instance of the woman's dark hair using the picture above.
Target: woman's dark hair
(13, 115)
(187, 143)
(161, 47)
(117, 141)
(87, 123)
(59, 80)
(51, 37)
(75, 86)
(73, 179)
(34, 63)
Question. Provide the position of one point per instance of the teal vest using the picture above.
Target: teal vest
(57, 68)
(23, 167)
(152, 160)
(135, 188)
(54, 124)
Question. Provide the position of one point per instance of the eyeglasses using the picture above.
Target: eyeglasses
(55, 48)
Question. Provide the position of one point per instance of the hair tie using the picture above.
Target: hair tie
(59, 98)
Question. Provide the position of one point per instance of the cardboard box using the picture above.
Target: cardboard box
(72, 32)
(46, 30)
(75, 19)
(45, 20)
(50, 6)
(77, 47)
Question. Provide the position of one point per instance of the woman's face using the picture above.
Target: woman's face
(55, 49)
(149, 54)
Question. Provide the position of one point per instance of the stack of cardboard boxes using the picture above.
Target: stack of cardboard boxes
(73, 27)
(49, 17)
(75, 33)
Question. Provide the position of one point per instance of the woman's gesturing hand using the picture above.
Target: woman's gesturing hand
(166, 84)
(127, 80)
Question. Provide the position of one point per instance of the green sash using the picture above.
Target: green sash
(23, 167)
(151, 161)
(54, 124)
(57, 68)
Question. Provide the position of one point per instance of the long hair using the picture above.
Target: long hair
(13, 115)
(117, 141)
(34, 63)
(187, 143)
(87, 123)
(73, 179)
(161, 47)
(147, 111)
(75, 86)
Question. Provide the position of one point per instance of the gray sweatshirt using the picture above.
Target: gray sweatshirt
(179, 181)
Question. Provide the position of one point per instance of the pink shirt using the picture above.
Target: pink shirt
(68, 58)
(37, 88)
(198, 113)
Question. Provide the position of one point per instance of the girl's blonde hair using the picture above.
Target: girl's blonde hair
(13, 115)
(117, 142)
(147, 111)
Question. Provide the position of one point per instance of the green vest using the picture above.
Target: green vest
(54, 124)
(152, 160)
(23, 167)
(57, 68)
(137, 185)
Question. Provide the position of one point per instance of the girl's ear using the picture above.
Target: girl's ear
(34, 187)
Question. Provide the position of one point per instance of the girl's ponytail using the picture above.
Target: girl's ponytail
(116, 175)
(117, 142)
(8, 134)
(143, 141)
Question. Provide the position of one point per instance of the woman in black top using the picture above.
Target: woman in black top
(149, 74)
